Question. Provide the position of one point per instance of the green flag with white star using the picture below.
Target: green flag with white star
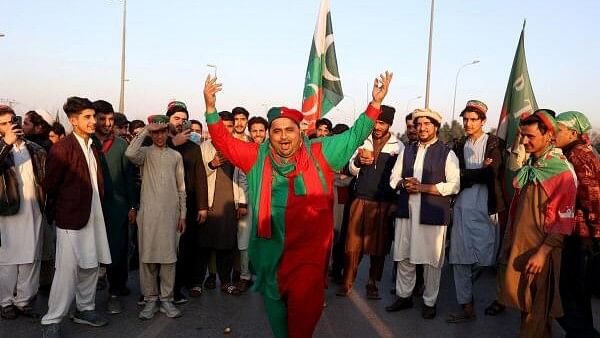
(322, 86)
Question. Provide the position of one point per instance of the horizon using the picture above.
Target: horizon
(262, 49)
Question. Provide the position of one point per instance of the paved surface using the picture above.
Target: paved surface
(354, 316)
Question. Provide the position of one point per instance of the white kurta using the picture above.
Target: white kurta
(473, 237)
(422, 243)
(89, 244)
(21, 233)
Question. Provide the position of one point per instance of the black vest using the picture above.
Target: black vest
(373, 182)
(435, 210)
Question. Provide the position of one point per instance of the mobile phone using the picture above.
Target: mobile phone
(18, 121)
(186, 125)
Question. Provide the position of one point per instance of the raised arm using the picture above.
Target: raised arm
(339, 148)
(241, 154)
(135, 152)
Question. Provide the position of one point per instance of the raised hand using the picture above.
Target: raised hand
(211, 87)
(380, 88)
(12, 134)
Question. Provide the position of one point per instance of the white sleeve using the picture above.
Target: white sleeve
(396, 175)
(452, 184)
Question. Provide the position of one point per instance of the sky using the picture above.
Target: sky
(55, 49)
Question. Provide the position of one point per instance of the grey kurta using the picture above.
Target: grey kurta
(473, 235)
(162, 200)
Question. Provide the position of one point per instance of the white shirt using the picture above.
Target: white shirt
(21, 232)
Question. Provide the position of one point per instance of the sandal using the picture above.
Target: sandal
(196, 291)
(372, 292)
(343, 291)
(244, 284)
(230, 289)
(461, 317)
(494, 309)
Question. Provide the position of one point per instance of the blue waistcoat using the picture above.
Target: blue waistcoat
(435, 210)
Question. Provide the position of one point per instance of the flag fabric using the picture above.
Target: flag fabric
(557, 178)
(322, 86)
(518, 99)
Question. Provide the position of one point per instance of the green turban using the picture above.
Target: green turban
(576, 121)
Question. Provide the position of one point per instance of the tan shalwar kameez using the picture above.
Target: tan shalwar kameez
(537, 296)
(162, 203)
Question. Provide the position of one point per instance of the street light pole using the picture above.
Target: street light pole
(456, 85)
(411, 100)
(214, 67)
(429, 56)
(122, 94)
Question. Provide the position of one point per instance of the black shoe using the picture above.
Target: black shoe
(211, 281)
(400, 304)
(179, 298)
(8, 312)
(27, 311)
(428, 312)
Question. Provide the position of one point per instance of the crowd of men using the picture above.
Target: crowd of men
(82, 209)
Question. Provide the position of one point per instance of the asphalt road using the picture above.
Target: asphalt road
(354, 316)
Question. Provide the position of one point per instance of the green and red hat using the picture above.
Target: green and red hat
(279, 112)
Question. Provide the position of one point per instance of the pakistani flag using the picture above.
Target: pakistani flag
(322, 86)
(518, 99)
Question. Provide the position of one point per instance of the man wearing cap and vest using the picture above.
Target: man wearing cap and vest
(579, 249)
(370, 212)
(426, 174)
(290, 182)
(473, 235)
(542, 213)
(161, 216)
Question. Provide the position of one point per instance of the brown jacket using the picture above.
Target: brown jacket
(68, 185)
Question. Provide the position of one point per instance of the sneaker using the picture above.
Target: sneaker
(114, 305)
(149, 310)
(51, 331)
(169, 310)
(179, 298)
(89, 317)
(141, 301)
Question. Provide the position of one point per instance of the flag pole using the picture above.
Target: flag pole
(429, 56)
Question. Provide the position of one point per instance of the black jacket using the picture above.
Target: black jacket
(492, 175)
(9, 189)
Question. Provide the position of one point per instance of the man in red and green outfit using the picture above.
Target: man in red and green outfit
(290, 181)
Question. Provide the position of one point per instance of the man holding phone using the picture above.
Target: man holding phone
(21, 215)
(196, 190)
